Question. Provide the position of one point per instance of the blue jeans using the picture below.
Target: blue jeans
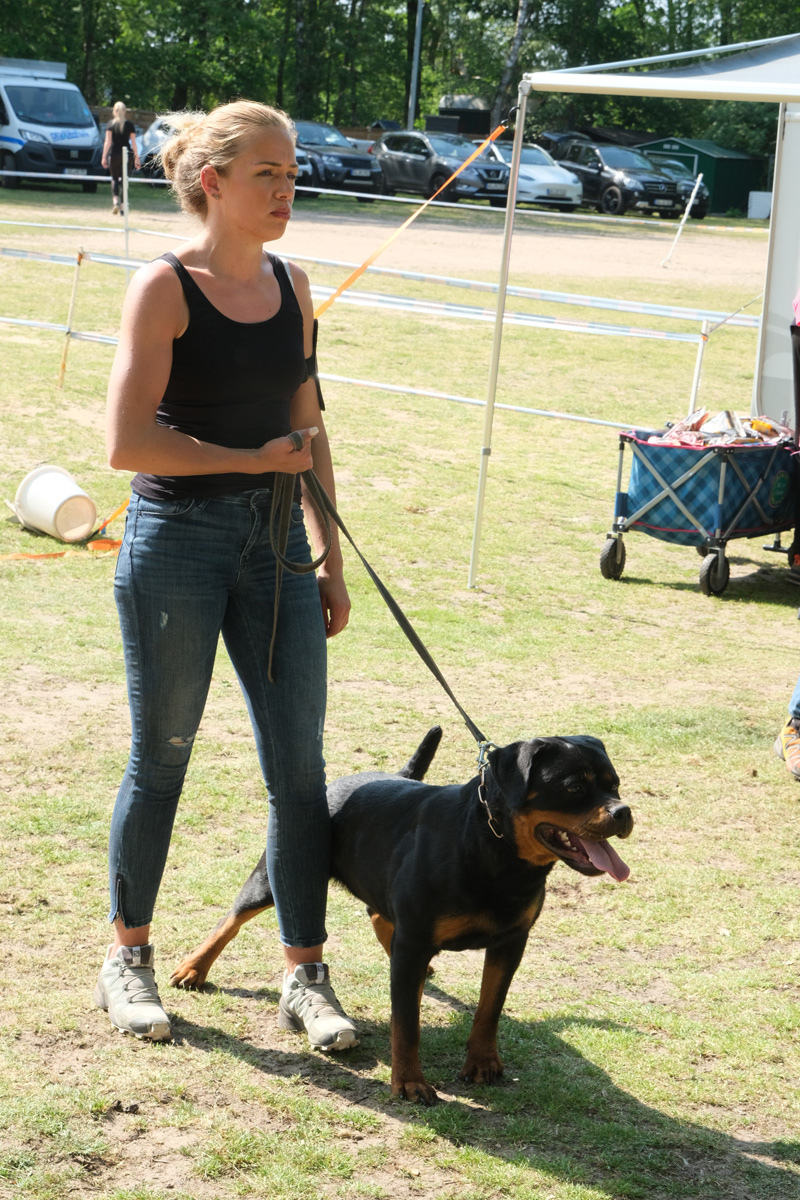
(794, 703)
(189, 570)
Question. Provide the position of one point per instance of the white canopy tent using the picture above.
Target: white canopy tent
(763, 71)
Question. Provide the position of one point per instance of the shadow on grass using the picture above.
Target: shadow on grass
(555, 1112)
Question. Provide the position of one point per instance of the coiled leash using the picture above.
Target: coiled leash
(279, 518)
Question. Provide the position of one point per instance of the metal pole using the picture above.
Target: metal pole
(412, 95)
(519, 133)
(705, 329)
(125, 203)
(686, 212)
(62, 369)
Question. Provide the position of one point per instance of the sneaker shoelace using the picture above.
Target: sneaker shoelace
(140, 984)
(314, 999)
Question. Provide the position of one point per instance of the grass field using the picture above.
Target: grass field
(651, 1034)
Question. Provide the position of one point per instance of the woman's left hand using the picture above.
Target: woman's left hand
(335, 602)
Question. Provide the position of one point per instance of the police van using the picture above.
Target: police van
(45, 124)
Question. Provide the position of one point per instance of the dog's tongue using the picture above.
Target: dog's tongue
(605, 858)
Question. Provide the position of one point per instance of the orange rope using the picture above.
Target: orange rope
(99, 545)
(359, 271)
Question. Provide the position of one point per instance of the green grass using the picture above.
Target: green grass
(650, 1037)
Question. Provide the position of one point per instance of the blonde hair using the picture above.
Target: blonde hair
(214, 139)
(120, 111)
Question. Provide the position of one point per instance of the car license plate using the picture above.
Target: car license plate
(664, 203)
(495, 187)
(74, 170)
(556, 191)
(360, 172)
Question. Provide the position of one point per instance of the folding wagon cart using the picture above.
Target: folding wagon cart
(703, 497)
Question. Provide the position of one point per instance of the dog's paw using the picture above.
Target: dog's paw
(189, 974)
(483, 1067)
(415, 1090)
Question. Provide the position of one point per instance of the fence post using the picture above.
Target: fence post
(68, 334)
(125, 206)
(698, 363)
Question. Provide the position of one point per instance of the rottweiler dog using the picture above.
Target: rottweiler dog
(455, 868)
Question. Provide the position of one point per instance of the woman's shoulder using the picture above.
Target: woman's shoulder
(298, 277)
(157, 281)
(155, 300)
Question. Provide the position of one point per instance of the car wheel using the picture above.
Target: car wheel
(365, 199)
(384, 188)
(697, 216)
(714, 574)
(7, 164)
(612, 558)
(612, 202)
(439, 181)
(90, 186)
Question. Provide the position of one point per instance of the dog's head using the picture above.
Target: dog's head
(558, 797)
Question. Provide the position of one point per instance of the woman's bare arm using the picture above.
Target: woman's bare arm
(306, 412)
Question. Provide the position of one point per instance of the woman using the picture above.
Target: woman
(209, 378)
(120, 139)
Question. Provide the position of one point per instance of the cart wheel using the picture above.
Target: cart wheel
(714, 574)
(612, 558)
(702, 549)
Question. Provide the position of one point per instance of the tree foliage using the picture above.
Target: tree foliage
(349, 61)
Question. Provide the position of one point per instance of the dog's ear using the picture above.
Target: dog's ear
(513, 767)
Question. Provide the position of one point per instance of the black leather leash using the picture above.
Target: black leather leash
(280, 513)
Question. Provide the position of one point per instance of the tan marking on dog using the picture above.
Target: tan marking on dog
(384, 931)
(192, 971)
(448, 929)
(593, 826)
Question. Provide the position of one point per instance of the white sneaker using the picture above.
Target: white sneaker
(309, 1002)
(115, 210)
(127, 990)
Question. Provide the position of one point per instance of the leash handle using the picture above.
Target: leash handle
(279, 514)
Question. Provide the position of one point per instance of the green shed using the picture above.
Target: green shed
(729, 175)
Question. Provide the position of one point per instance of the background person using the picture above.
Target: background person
(120, 139)
(210, 376)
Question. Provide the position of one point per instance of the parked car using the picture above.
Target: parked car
(554, 143)
(421, 162)
(152, 140)
(541, 180)
(45, 124)
(334, 162)
(685, 180)
(616, 179)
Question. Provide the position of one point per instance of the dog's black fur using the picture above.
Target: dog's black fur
(455, 868)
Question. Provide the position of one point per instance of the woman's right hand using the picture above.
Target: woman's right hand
(280, 454)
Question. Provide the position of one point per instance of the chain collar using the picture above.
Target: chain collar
(483, 764)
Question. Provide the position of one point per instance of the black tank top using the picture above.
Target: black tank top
(231, 384)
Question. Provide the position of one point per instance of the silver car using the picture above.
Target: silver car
(541, 179)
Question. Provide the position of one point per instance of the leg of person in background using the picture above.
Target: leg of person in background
(787, 743)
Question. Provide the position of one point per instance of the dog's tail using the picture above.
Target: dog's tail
(421, 759)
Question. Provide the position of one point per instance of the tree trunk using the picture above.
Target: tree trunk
(512, 58)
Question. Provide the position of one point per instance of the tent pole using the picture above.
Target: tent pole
(519, 134)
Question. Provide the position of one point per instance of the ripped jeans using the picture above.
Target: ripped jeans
(189, 570)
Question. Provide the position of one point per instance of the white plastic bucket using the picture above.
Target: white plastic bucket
(49, 499)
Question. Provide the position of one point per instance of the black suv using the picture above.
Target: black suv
(334, 161)
(616, 179)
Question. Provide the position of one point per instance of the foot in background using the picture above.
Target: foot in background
(787, 746)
